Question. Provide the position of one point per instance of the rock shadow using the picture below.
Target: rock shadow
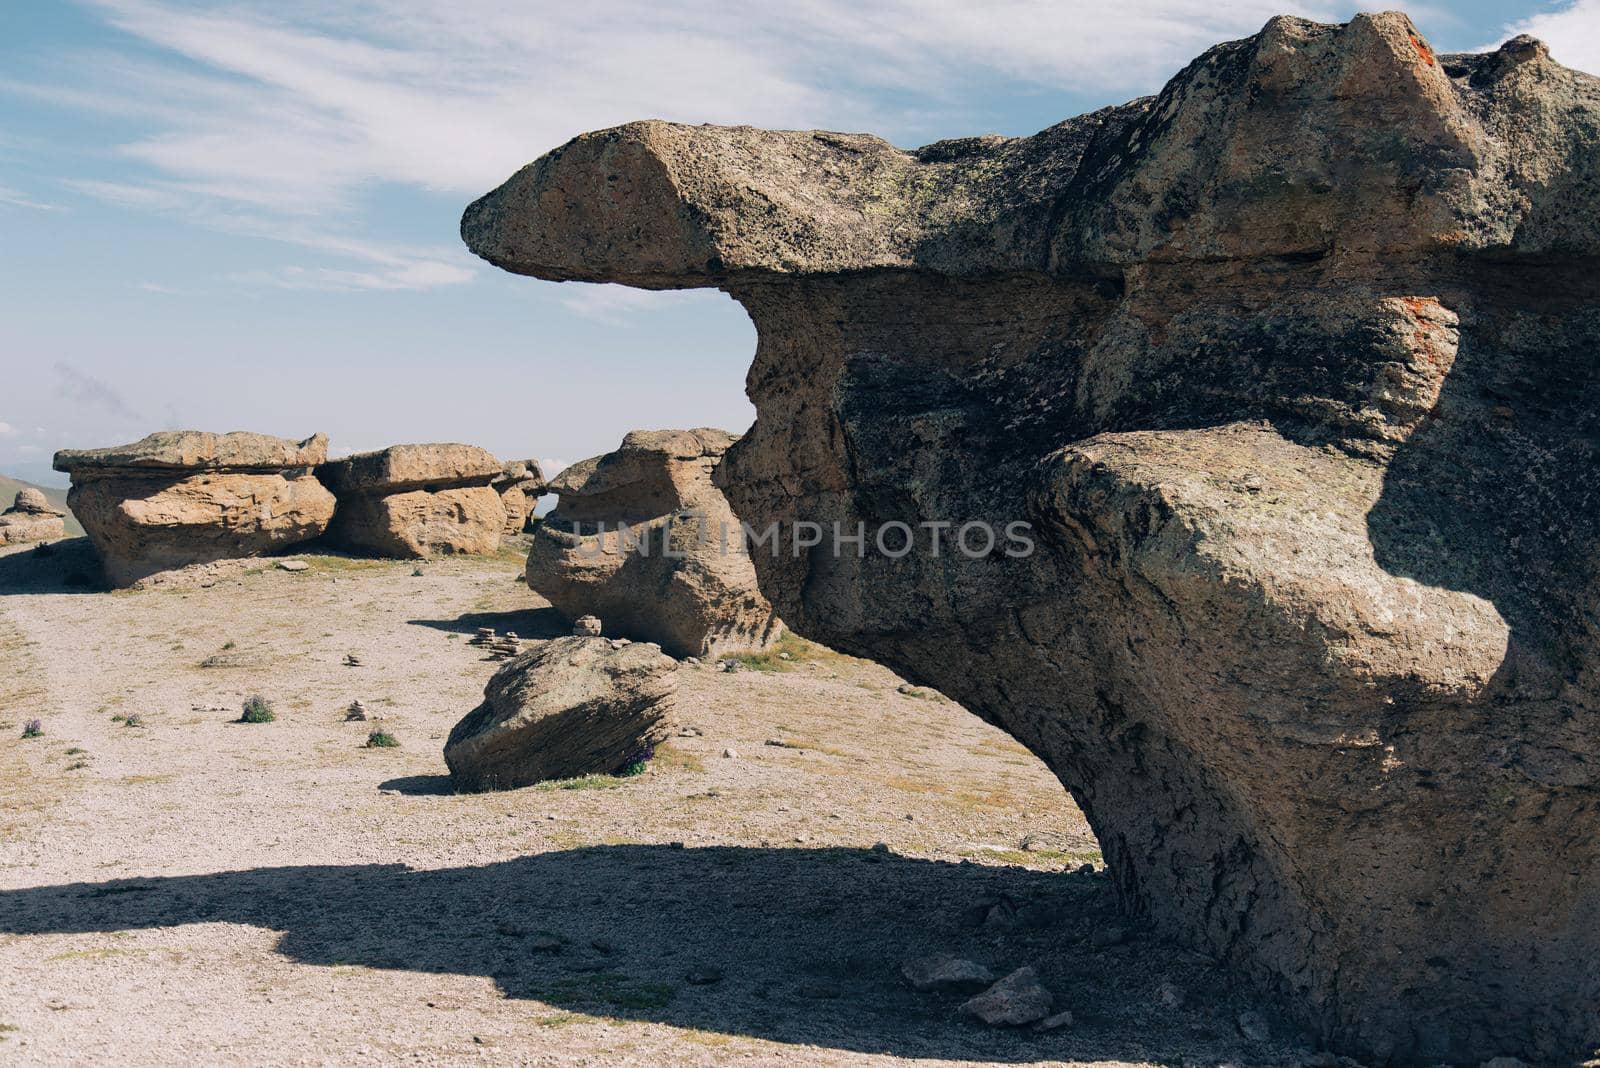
(524, 622)
(799, 946)
(67, 566)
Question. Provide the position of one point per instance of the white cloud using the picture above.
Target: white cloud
(1573, 33)
(279, 104)
(16, 198)
(279, 118)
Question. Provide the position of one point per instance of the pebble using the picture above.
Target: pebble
(1170, 996)
(730, 754)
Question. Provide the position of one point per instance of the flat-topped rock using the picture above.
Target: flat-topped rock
(642, 538)
(1291, 373)
(407, 467)
(180, 498)
(413, 501)
(195, 450)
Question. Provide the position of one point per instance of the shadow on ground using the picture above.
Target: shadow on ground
(524, 623)
(807, 942)
(68, 566)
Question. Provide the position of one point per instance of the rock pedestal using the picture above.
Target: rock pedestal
(519, 485)
(413, 501)
(641, 538)
(1292, 372)
(567, 707)
(188, 497)
(31, 518)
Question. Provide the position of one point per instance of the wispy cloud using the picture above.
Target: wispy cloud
(1573, 33)
(16, 198)
(88, 391)
(614, 304)
(281, 118)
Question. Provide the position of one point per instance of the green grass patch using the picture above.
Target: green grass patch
(584, 782)
(787, 654)
(382, 740)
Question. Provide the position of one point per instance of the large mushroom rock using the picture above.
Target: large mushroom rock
(569, 707)
(31, 517)
(520, 485)
(187, 497)
(1292, 368)
(416, 500)
(641, 538)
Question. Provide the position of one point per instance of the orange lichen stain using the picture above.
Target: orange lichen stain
(1422, 49)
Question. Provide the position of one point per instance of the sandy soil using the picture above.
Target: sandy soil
(195, 890)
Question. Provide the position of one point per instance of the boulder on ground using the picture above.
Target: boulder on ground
(31, 518)
(410, 501)
(641, 538)
(1291, 373)
(520, 485)
(187, 497)
(570, 706)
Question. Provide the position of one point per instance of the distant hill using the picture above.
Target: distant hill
(57, 497)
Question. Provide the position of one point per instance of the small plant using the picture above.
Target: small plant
(382, 740)
(635, 764)
(32, 729)
(133, 719)
(229, 645)
(416, 572)
(257, 709)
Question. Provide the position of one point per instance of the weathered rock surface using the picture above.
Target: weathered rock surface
(412, 501)
(568, 707)
(30, 518)
(520, 485)
(185, 497)
(1295, 371)
(641, 538)
(946, 971)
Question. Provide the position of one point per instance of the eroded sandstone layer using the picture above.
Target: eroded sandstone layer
(412, 501)
(30, 518)
(644, 540)
(185, 497)
(1293, 368)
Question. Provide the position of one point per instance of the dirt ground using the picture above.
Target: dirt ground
(192, 890)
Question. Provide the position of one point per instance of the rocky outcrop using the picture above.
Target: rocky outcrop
(520, 485)
(31, 518)
(568, 707)
(1292, 369)
(187, 497)
(641, 538)
(411, 501)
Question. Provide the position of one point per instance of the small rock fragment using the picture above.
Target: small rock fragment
(946, 971)
(293, 565)
(1014, 1001)
(705, 975)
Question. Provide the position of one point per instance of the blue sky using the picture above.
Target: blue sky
(243, 215)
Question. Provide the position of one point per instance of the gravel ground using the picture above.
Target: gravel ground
(190, 889)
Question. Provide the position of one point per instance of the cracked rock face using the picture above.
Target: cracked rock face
(1294, 370)
(642, 539)
(187, 497)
